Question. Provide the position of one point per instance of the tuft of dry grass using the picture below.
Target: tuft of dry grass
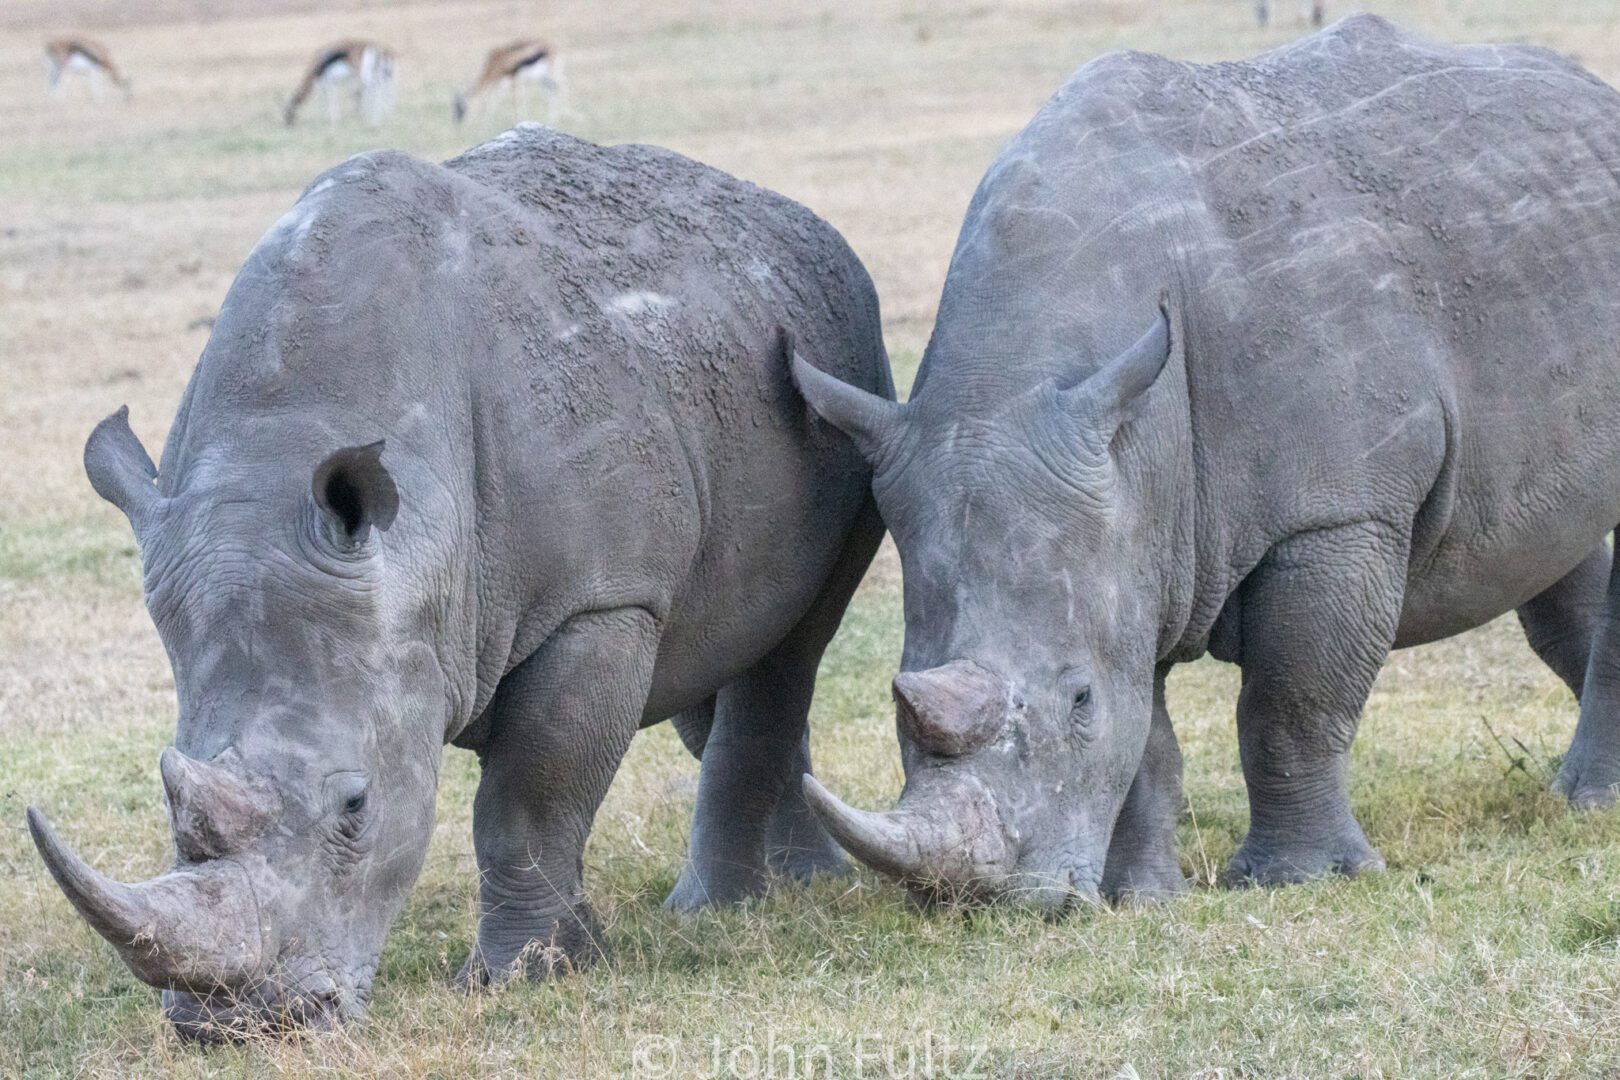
(1488, 949)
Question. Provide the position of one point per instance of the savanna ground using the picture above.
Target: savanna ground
(1488, 949)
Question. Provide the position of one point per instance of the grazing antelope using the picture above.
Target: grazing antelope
(1315, 10)
(515, 65)
(363, 68)
(78, 54)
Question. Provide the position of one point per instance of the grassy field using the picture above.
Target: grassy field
(1489, 948)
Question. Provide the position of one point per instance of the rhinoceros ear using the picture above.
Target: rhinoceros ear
(1110, 396)
(862, 415)
(354, 492)
(120, 469)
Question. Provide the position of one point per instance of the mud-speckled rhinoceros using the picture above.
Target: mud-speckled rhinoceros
(1377, 403)
(503, 453)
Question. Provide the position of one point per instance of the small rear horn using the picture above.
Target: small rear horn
(953, 709)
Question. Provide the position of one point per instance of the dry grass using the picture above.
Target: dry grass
(1488, 949)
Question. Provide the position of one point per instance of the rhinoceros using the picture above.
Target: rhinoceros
(1291, 361)
(503, 453)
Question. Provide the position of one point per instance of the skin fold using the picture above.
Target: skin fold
(502, 453)
(1291, 361)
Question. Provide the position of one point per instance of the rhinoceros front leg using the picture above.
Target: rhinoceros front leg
(1142, 863)
(797, 846)
(1590, 773)
(561, 723)
(1319, 615)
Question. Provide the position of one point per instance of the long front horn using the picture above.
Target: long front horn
(951, 835)
(884, 842)
(190, 929)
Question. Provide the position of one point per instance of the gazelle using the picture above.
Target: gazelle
(79, 54)
(515, 65)
(1316, 10)
(364, 69)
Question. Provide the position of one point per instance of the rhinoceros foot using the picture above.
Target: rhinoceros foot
(1587, 785)
(802, 863)
(1143, 881)
(572, 942)
(1263, 861)
(796, 845)
(715, 886)
(797, 848)
(1589, 775)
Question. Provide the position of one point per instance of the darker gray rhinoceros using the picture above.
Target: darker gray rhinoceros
(1377, 404)
(601, 503)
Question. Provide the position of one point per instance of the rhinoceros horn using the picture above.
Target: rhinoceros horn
(953, 709)
(213, 809)
(951, 835)
(196, 927)
(885, 842)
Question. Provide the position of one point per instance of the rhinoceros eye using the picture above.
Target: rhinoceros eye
(352, 822)
(1081, 716)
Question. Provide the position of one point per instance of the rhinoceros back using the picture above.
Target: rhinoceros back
(1396, 262)
(636, 296)
(631, 238)
(1362, 157)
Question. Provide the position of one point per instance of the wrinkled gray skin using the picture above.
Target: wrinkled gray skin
(601, 503)
(1379, 405)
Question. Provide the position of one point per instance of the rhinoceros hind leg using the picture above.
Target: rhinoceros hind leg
(1590, 773)
(1142, 863)
(751, 818)
(1319, 615)
(759, 725)
(1561, 623)
(561, 722)
(796, 846)
(694, 725)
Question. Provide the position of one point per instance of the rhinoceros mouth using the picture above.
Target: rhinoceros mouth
(267, 1011)
(1053, 893)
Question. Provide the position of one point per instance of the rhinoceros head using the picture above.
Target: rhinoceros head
(300, 803)
(1032, 626)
